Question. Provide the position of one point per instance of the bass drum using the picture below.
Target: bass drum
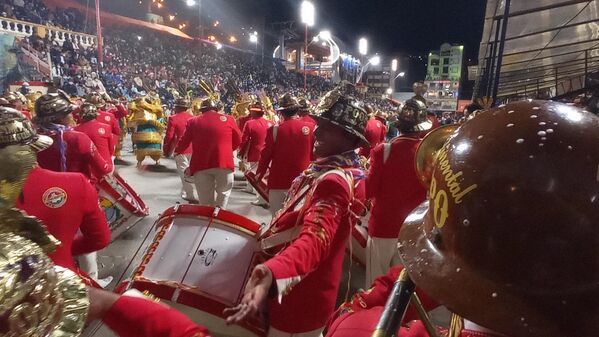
(122, 206)
(199, 262)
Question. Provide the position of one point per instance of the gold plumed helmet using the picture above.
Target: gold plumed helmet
(88, 111)
(96, 99)
(39, 298)
(19, 144)
(15, 97)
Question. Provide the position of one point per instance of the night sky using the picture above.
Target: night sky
(412, 26)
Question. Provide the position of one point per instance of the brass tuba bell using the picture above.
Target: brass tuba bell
(427, 151)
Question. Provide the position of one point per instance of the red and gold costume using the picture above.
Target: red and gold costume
(133, 316)
(315, 222)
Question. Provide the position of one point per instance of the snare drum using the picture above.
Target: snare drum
(199, 262)
(122, 206)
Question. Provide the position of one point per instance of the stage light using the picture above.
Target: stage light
(308, 13)
(375, 60)
(171, 17)
(325, 35)
(394, 65)
(232, 39)
(363, 46)
(254, 37)
(219, 46)
(138, 38)
(389, 91)
(190, 3)
(402, 74)
(216, 23)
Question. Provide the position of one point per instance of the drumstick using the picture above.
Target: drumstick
(214, 215)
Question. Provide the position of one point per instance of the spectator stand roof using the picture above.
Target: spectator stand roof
(549, 46)
(114, 19)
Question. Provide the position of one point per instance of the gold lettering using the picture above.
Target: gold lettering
(458, 197)
(440, 212)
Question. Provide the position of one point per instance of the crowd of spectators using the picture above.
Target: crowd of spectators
(36, 11)
(139, 60)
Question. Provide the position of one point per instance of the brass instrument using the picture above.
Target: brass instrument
(427, 151)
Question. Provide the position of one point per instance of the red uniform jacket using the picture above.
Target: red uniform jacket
(82, 155)
(214, 137)
(308, 271)
(289, 154)
(253, 138)
(66, 203)
(101, 137)
(109, 119)
(375, 133)
(132, 317)
(360, 316)
(175, 130)
(242, 120)
(393, 186)
(119, 111)
(309, 119)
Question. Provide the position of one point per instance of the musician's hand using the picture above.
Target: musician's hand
(100, 302)
(254, 299)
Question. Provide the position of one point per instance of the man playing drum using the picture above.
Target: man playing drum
(310, 233)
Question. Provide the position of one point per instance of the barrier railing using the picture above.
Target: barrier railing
(24, 28)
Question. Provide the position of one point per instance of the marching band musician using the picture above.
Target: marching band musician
(505, 238)
(17, 101)
(304, 110)
(72, 151)
(213, 136)
(175, 129)
(376, 132)
(65, 202)
(97, 132)
(393, 187)
(104, 116)
(253, 138)
(287, 152)
(313, 226)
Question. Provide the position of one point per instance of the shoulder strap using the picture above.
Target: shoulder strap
(386, 151)
(275, 131)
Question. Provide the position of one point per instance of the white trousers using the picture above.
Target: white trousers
(276, 198)
(272, 332)
(89, 264)
(381, 254)
(213, 181)
(182, 162)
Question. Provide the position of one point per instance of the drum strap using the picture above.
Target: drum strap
(275, 132)
(386, 151)
(291, 234)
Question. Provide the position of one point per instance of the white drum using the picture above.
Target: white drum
(199, 263)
